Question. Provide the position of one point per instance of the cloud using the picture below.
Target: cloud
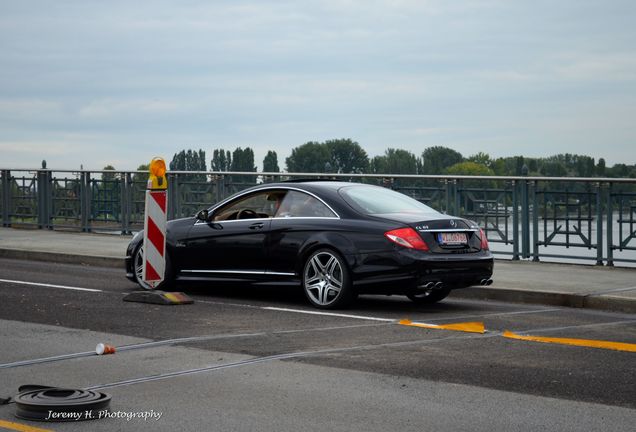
(104, 108)
(22, 108)
(139, 78)
(603, 67)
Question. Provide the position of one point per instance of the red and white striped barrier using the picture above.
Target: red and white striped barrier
(155, 225)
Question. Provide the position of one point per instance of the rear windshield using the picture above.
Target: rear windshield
(378, 200)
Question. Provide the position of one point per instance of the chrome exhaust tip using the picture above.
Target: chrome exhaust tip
(439, 285)
(489, 282)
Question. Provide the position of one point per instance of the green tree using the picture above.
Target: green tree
(553, 168)
(585, 166)
(619, 170)
(481, 158)
(243, 160)
(469, 168)
(347, 156)
(190, 160)
(472, 169)
(108, 176)
(519, 162)
(106, 199)
(437, 158)
(139, 178)
(270, 162)
(499, 167)
(221, 160)
(395, 161)
(310, 157)
(600, 167)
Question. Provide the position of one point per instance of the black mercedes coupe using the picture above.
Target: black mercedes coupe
(334, 239)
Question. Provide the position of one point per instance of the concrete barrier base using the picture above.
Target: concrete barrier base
(158, 297)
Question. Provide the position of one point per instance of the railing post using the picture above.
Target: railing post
(85, 204)
(6, 198)
(220, 188)
(130, 196)
(49, 199)
(535, 221)
(525, 220)
(515, 221)
(610, 226)
(174, 203)
(447, 188)
(456, 191)
(599, 224)
(42, 197)
(123, 199)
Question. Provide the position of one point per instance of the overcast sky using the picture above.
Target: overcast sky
(106, 82)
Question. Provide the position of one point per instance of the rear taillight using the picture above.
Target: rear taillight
(484, 240)
(408, 238)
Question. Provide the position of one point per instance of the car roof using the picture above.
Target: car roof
(320, 184)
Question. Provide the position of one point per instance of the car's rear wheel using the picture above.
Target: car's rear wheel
(429, 296)
(327, 280)
(139, 271)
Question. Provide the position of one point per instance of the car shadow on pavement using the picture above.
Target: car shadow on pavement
(293, 297)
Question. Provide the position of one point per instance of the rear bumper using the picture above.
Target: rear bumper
(402, 271)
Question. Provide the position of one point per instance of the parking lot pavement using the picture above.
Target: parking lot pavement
(578, 286)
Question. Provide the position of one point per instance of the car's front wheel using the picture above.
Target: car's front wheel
(327, 281)
(139, 271)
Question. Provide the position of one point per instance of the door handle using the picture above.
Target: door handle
(258, 225)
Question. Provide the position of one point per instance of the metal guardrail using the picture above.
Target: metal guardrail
(529, 217)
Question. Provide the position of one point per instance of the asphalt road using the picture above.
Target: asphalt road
(356, 369)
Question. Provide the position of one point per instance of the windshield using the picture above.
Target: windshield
(379, 200)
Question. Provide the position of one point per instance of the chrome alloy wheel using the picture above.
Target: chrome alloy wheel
(323, 278)
(139, 268)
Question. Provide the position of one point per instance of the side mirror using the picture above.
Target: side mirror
(203, 215)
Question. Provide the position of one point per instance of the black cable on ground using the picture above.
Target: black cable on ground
(54, 404)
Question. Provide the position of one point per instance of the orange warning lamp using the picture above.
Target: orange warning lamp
(157, 178)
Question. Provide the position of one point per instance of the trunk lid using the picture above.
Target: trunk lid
(450, 235)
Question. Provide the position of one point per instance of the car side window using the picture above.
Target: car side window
(298, 204)
(260, 205)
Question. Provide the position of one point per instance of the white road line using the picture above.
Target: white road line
(524, 312)
(551, 329)
(49, 285)
(362, 317)
(223, 303)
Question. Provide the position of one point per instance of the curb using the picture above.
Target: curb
(62, 258)
(549, 298)
(597, 302)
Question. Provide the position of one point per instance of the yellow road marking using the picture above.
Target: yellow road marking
(20, 427)
(468, 327)
(618, 346)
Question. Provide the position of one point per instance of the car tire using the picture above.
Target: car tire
(430, 296)
(326, 280)
(138, 269)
